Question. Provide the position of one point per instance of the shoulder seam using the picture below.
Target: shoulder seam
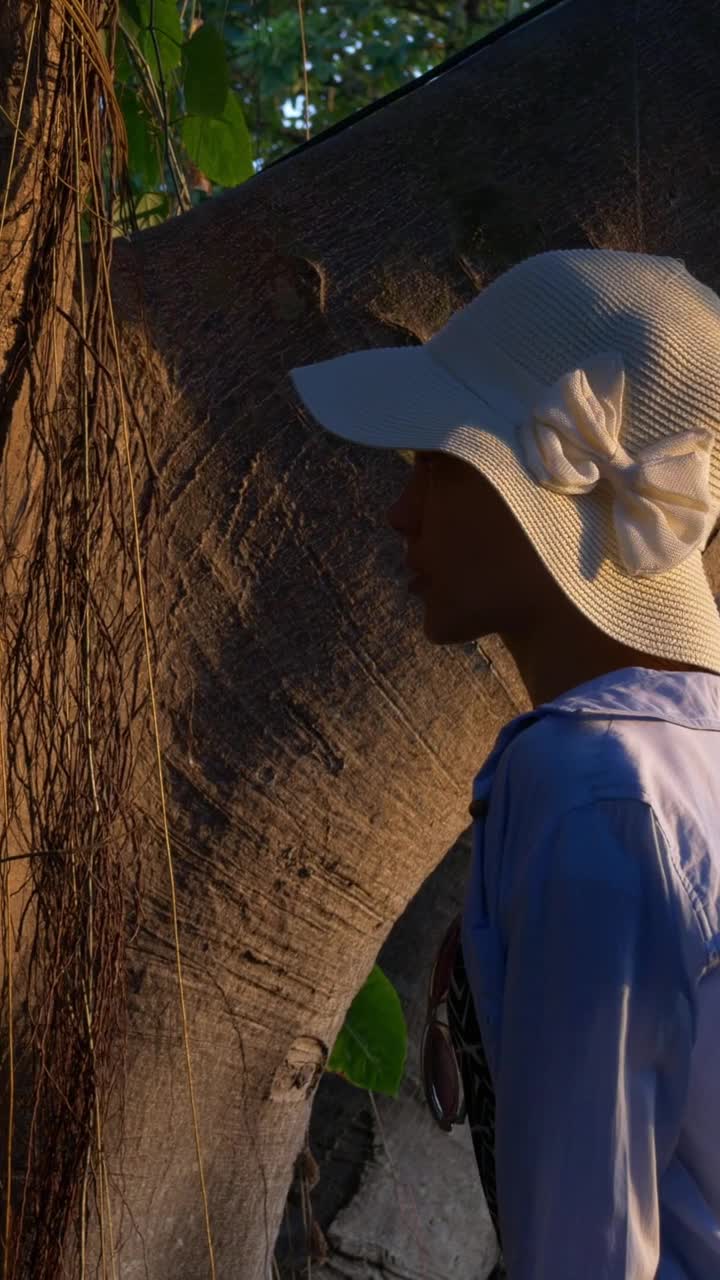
(696, 906)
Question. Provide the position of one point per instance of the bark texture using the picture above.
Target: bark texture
(317, 752)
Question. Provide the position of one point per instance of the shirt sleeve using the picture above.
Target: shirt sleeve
(596, 1037)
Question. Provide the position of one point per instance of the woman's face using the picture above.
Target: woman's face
(481, 574)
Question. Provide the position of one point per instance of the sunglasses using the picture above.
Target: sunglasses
(440, 1062)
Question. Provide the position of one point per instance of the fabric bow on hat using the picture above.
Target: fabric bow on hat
(663, 506)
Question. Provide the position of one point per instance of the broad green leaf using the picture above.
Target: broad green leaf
(160, 17)
(371, 1049)
(221, 149)
(145, 158)
(206, 75)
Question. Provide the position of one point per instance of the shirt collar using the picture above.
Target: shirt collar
(690, 698)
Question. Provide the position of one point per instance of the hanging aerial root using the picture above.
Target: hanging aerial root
(71, 635)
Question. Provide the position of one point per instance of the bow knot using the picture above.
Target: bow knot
(663, 507)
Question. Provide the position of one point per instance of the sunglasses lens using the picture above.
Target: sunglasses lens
(440, 1074)
(440, 980)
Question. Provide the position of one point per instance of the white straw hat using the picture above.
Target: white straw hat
(585, 385)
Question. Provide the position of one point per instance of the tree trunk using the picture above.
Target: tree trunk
(317, 752)
(317, 766)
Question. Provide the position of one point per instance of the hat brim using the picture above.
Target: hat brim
(394, 398)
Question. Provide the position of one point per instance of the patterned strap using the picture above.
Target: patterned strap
(477, 1082)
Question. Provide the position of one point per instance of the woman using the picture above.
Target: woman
(566, 436)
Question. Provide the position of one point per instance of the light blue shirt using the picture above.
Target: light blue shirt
(591, 933)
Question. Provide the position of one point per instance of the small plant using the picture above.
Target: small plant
(371, 1049)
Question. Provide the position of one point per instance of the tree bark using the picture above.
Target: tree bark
(317, 752)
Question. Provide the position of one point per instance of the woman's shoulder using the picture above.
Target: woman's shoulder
(574, 758)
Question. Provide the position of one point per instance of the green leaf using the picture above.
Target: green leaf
(131, 8)
(206, 75)
(371, 1049)
(221, 149)
(275, 79)
(124, 70)
(323, 68)
(167, 31)
(144, 153)
(152, 209)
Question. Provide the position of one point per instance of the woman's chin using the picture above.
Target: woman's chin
(440, 630)
(444, 629)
